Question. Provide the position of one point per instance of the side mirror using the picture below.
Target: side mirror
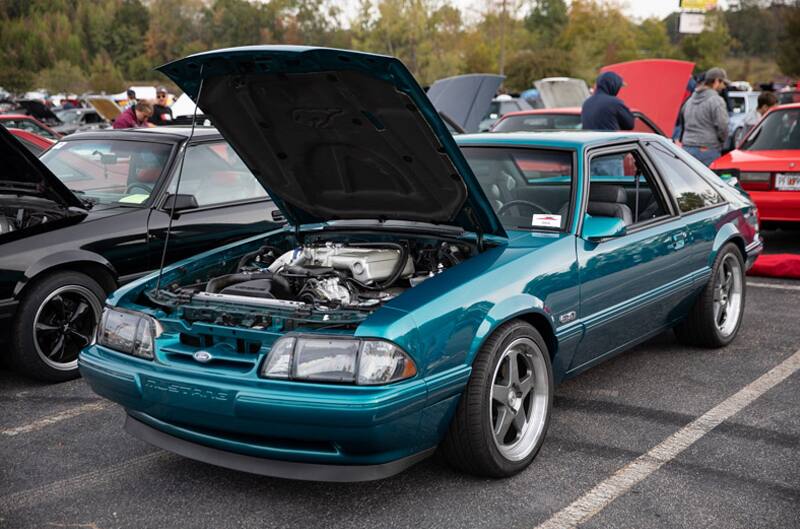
(179, 202)
(597, 228)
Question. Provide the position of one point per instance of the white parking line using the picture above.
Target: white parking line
(634, 472)
(772, 285)
(58, 417)
(66, 487)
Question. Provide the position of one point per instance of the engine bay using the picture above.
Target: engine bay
(327, 282)
(21, 216)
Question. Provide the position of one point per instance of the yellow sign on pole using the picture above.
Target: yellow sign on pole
(698, 5)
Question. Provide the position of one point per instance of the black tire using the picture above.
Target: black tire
(67, 288)
(470, 444)
(700, 328)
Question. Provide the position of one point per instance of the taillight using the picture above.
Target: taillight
(756, 181)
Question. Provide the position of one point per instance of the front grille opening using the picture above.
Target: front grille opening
(197, 340)
(263, 440)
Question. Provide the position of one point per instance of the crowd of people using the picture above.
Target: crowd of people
(702, 127)
(143, 113)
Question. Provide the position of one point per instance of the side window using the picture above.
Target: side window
(620, 185)
(690, 190)
(215, 174)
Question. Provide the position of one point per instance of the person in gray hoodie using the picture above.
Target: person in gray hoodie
(705, 118)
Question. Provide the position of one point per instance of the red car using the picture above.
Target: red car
(560, 119)
(29, 123)
(33, 142)
(767, 165)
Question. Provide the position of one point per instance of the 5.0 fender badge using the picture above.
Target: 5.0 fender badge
(564, 318)
(202, 357)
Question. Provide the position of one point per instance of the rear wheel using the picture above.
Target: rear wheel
(716, 316)
(56, 319)
(504, 412)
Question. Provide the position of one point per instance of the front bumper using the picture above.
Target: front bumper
(777, 206)
(284, 429)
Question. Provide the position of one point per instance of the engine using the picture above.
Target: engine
(328, 276)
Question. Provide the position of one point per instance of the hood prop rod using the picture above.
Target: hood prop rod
(178, 183)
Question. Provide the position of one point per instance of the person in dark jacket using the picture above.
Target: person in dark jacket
(162, 114)
(603, 110)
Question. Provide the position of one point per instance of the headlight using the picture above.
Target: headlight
(339, 360)
(128, 332)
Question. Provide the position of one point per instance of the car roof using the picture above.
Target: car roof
(564, 139)
(569, 111)
(786, 106)
(18, 116)
(173, 133)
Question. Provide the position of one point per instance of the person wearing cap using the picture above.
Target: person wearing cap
(603, 110)
(131, 95)
(162, 114)
(705, 118)
(135, 117)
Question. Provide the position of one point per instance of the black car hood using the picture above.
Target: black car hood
(334, 134)
(24, 174)
(465, 98)
(40, 111)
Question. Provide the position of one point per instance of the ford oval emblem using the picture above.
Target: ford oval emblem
(202, 356)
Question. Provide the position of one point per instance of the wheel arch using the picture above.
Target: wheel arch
(523, 307)
(728, 233)
(80, 261)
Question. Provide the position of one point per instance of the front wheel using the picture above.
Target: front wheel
(56, 319)
(503, 415)
(716, 316)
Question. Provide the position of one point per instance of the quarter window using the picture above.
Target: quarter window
(689, 189)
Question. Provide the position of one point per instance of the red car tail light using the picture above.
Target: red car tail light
(756, 181)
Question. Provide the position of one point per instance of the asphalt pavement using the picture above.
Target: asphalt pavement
(66, 462)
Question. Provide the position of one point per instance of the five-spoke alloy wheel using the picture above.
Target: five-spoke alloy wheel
(56, 318)
(504, 412)
(716, 316)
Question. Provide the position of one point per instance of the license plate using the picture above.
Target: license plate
(787, 182)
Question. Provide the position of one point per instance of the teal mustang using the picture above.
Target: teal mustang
(426, 291)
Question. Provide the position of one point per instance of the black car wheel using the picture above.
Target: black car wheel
(716, 316)
(56, 319)
(504, 412)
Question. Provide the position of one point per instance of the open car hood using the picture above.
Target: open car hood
(660, 101)
(559, 92)
(24, 174)
(337, 135)
(39, 110)
(465, 98)
(105, 106)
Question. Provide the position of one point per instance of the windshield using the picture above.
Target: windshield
(534, 122)
(109, 171)
(528, 188)
(29, 125)
(780, 130)
(68, 116)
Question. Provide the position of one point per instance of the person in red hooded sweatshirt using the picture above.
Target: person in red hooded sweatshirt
(135, 116)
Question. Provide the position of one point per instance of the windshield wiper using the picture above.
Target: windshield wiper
(89, 202)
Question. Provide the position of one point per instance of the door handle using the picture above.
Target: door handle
(678, 240)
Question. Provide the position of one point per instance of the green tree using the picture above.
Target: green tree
(546, 20)
(789, 51)
(63, 76)
(709, 48)
(527, 66)
(125, 43)
(105, 77)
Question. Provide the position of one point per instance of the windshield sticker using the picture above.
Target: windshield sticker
(133, 199)
(546, 220)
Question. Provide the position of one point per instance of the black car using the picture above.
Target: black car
(93, 213)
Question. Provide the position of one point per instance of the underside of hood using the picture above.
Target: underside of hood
(23, 174)
(661, 100)
(335, 134)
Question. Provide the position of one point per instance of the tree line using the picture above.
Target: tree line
(101, 45)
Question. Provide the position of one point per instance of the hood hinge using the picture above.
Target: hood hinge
(477, 225)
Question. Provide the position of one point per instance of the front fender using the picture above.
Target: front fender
(62, 258)
(506, 310)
